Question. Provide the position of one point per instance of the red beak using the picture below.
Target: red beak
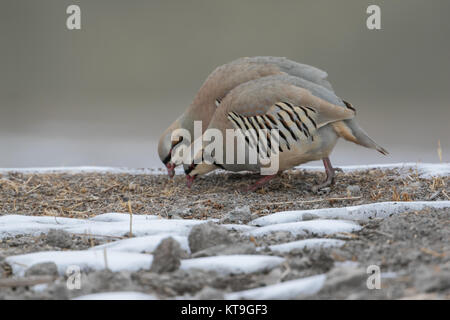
(189, 180)
(170, 169)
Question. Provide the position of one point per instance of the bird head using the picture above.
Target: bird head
(197, 167)
(168, 143)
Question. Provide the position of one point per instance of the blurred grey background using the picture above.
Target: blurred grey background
(102, 95)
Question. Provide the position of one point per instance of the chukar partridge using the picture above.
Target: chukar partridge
(221, 81)
(309, 118)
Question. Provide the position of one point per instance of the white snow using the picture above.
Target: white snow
(120, 217)
(11, 225)
(307, 244)
(316, 227)
(120, 261)
(144, 244)
(85, 260)
(110, 224)
(120, 295)
(284, 290)
(39, 287)
(140, 228)
(233, 264)
(361, 213)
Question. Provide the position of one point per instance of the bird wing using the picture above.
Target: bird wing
(275, 103)
(293, 68)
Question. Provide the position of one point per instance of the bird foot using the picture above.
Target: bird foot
(315, 189)
(331, 173)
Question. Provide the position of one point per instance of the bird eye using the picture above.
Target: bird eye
(174, 143)
(190, 168)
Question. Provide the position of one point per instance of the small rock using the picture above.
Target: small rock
(309, 216)
(101, 281)
(42, 269)
(208, 293)
(428, 280)
(415, 185)
(280, 237)
(180, 213)
(167, 256)
(224, 249)
(238, 215)
(345, 277)
(324, 191)
(353, 190)
(59, 238)
(273, 277)
(172, 215)
(208, 235)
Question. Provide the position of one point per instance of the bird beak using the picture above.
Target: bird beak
(189, 180)
(170, 169)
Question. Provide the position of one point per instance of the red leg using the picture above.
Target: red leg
(259, 183)
(331, 174)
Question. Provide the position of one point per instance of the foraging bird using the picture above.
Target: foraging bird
(221, 81)
(309, 118)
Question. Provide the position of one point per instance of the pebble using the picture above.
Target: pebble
(59, 238)
(42, 269)
(167, 256)
(353, 190)
(238, 215)
(208, 235)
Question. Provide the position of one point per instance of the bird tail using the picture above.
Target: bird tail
(351, 131)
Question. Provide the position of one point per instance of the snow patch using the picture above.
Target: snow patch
(120, 261)
(233, 264)
(143, 244)
(121, 295)
(85, 260)
(140, 228)
(307, 244)
(316, 227)
(12, 225)
(110, 224)
(361, 213)
(285, 290)
(120, 217)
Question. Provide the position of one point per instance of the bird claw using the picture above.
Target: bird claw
(330, 181)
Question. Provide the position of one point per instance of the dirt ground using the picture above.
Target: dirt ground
(86, 195)
(411, 249)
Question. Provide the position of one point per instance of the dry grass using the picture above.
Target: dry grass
(86, 195)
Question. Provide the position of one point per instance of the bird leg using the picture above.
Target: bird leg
(331, 174)
(259, 183)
